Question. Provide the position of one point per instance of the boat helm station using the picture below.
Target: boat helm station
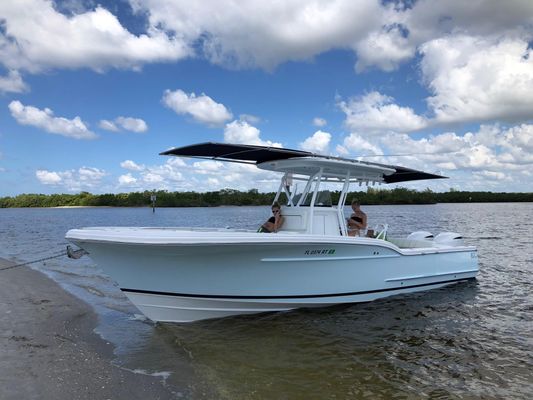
(309, 211)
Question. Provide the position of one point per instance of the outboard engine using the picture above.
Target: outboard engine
(449, 239)
(420, 235)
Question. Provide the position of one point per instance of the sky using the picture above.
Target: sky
(92, 91)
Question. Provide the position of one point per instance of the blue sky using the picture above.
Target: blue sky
(91, 92)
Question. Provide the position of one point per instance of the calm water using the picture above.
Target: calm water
(470, 340)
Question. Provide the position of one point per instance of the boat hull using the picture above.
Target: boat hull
(170, 307)
(189, 280)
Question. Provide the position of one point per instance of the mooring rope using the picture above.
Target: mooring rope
(68, 252)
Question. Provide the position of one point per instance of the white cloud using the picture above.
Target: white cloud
(358, 146)
(243, 34)
(207, 167)
(341, 150)
(165, 176)
(108, 125)
(176, 162)
(490, 149)
(317, 143)
(88, 174)
(376, 113)
(48, 177)
(493, 175)
(152, 178)
(243, 132)
(478, 79)
(37, 37)
(319, 122)
(127, 180)
(521, 137)
(385, 49)
(132, 124)
(131, 165)
(404, 28)
(84, 178)
(472, 79)
(249, 33)
(430, 19)
(213, 182)
(491, 158)
(127, 123)
(214, 175)
(44, 119)
(251, 119)
(176, 174)
(202, 108)
(445, 151)
(13, 83)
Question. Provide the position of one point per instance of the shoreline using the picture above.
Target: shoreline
(267, 205)
(50, 349)
(75, 207)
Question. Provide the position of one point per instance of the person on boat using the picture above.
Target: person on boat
(275, 222)
(357, 221)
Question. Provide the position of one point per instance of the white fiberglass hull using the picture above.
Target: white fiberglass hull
(187, 275)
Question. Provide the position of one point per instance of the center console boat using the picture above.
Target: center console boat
(190, 274)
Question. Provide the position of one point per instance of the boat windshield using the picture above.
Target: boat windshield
(323, 199)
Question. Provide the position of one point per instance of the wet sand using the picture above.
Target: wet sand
(48, 348)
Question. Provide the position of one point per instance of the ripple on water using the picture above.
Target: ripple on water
(469, 340)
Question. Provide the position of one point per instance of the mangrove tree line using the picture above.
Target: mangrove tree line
(230, 197)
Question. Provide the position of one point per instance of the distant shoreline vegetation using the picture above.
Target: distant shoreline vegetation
(230, 197)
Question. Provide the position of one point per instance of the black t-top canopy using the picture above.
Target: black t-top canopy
(235, 152)
(251, 154)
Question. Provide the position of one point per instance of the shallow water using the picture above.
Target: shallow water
(469, 340)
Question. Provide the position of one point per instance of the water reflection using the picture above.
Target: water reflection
(336, 352)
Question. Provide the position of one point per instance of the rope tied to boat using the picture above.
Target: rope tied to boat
(69, 252)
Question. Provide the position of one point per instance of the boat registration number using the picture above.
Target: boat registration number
(319, 251)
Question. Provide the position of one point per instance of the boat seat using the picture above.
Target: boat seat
(294, 223)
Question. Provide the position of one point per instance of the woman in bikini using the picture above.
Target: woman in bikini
(357, 220)
(274, 222)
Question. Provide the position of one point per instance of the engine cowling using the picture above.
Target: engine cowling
(449, 239)
(420, 235)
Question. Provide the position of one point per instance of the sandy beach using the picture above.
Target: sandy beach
(48, 348)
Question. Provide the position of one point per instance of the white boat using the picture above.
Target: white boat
(190, 274)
